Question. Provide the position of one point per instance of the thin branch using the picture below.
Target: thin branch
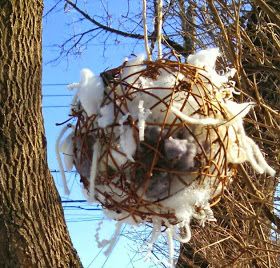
(146, 30)
(52, 8)
(271, 216)
(166, 40)
(159, 29)
(269, 10)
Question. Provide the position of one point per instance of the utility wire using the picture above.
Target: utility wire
(82, 208)
(58, 95)
(65, 171)
(74, 201)
(55, 84)
(55, 106)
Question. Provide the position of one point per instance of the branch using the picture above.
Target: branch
(166, 40)
(269, 10)
(189, 259)
(268, 213)
(52, 9)
(102, 26)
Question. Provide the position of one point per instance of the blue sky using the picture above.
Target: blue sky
(82, 224)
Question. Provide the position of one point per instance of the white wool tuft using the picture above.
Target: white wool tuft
(106, 117)
(186, 204)
(66, 148)
(114, 239)
(93, 170)
(118, 157)
(196, 121)
(127, 141)
(58, 158)
(188, 234)
(169, 231)
(104, 242)
(235, 154)
(204, 58)
(142, 116)
(156, 232)
(132, 69)
(90, 91)
(237, 110)
(242, 147)
(256, 158)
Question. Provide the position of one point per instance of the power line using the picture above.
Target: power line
(74, 201)
(55, 106)
(102, 44)
(82, 208)
(58, 95)
(55, 84)
(65, 171)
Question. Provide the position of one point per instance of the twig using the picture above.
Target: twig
(145, 27)
(159, 30)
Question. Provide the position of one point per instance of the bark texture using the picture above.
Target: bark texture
(33, 232)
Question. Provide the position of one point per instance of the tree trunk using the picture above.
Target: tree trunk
(33, 232)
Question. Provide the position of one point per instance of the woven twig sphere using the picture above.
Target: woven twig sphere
(142, 177)
(158, 141)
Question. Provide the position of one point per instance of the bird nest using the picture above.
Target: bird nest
(141, 177)
(159, 141)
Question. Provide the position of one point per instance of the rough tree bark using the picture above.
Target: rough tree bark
(33, 232)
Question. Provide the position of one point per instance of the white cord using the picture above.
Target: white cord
(169, 232)
(93, 170)
(196, 121)
(60, 165)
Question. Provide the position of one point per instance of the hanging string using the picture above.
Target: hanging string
(146, 30)
(159, 30)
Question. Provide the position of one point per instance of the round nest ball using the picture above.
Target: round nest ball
(159, 142)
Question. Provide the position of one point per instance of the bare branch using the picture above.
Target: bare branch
(269, 10)
(166, 40)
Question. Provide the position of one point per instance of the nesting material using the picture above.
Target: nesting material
(168, 137)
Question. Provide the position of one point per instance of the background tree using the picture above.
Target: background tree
(32, 227)
(247, 33)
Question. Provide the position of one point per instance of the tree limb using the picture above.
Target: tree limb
(166, 40)
(270, 215)
(269, 10)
